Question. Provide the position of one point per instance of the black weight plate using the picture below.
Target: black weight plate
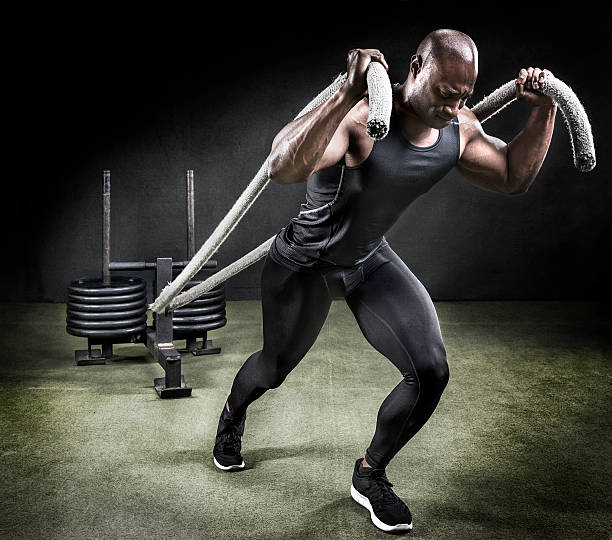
(206, 301)
(187, 311)
(107, 307)
(105, 325)
(111, 299)
(97, 287)
(190, 330)
(196, 319)
(105, 315)
(105, 334)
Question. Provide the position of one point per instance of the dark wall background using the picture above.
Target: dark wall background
(151, 94)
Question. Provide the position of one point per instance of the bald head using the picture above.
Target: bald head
(448, 45)
(442, 76)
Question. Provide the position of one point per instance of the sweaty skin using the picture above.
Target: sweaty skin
(442, 76)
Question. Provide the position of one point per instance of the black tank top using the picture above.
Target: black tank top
(349, 209)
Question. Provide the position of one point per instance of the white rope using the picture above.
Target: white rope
(577, 122)
(240, 207)
(576, 119)
(381, 101)
(222, 275)
(260, 181)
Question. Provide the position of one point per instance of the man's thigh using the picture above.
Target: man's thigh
(396, 313)
(294, 307)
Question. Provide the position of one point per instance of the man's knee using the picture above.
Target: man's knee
(437, 372)
(278, 368)
(276, 379)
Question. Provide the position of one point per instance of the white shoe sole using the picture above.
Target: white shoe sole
(230, 467)
(363, 501)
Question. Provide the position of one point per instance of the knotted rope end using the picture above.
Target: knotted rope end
(377, 129)
(585, 161)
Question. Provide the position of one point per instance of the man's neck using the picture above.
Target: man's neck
(413, 128)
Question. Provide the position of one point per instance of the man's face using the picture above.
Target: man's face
(441, 90)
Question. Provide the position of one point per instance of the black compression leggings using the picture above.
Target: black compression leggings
(396, 316)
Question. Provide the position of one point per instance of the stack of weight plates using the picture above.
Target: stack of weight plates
(107, 311)
(205, 313)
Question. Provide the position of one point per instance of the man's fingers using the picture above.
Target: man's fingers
(535, 78)
(365, 56)
(529, 83)
(381, 58)
(529, 78)
(377, 56)
(520, 83)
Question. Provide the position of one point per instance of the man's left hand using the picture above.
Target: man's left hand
(528, 85)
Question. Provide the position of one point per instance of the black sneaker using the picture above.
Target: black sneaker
(226, 453)
(371, 489)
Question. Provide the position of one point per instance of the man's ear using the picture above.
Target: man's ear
(416, 64)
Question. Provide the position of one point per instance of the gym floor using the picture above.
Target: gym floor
(519, 446)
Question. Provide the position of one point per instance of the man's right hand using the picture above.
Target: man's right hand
(356, 68)
(322, 137)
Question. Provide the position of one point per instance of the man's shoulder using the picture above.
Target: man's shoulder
(358, 117)
(466, 116)
(468, 123)
(361, 110)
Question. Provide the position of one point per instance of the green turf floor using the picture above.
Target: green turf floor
(519, 446)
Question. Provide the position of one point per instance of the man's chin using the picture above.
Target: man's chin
(441, 122)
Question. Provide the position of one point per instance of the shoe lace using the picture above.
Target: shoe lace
(381, 490)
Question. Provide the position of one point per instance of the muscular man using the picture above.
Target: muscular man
(356, 190)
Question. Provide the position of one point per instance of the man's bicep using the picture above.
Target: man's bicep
(484, 162)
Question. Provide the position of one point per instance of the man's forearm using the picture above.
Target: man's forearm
(299, 146)
(528, 149)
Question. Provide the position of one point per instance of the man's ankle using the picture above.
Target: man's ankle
(364, 463)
